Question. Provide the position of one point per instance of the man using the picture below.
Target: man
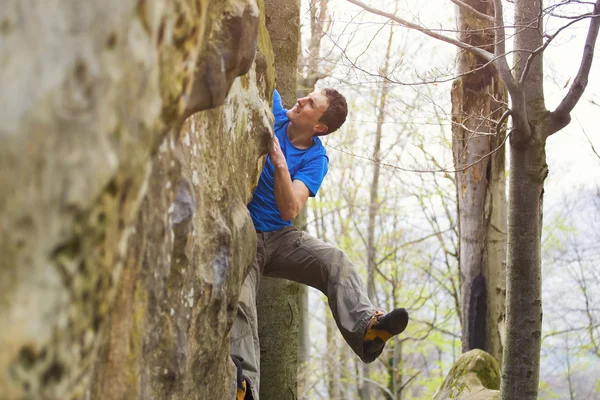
(294, 169)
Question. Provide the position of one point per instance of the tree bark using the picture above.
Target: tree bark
(520, 373)
(278, 300)
(521, 362)
(478, 100)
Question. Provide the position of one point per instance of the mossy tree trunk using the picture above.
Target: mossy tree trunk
(278, 299)
(478, 100)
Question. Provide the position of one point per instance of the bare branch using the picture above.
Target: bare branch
(569, 330)
(392, 167)
(499, 58)
(432, 326)
(473, 10)
(501, 64)
(405, 384)
(550, 10)
(380, 386)
(503, 118)
(486, 55)
(561, 116)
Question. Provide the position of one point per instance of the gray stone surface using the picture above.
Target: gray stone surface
(111, 285)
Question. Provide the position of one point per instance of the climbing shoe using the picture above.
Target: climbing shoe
(381, 328)
(241, 382)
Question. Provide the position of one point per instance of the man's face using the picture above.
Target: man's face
(308, 111)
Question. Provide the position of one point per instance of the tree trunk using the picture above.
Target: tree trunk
(310, 61)
(520, 373)
(366, 390)
(303, 331)
(528, 169)
(347, 379)
(306, 84)
(278, 300)
(332, 351)
(477, 102)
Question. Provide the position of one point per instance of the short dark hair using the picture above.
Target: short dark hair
(336, 112)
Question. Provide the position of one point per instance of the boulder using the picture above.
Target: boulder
(475, 376)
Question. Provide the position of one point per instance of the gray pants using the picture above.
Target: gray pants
(295, 255)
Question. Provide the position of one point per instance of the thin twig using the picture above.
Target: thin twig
(486, 55)
(503, 118)
(588, 138)
(540, 49)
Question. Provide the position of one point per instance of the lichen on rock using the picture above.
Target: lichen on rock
(474, 376)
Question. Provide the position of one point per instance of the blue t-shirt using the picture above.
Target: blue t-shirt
(306, 165)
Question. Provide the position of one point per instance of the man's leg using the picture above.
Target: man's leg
(297, 256)
(244, 332)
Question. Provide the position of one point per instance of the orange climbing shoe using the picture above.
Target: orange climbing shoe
(241, 382)
(381, 328)
(241, 391)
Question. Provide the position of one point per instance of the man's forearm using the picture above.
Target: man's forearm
(285, 197)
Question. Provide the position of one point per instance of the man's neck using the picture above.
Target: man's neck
(302, 139)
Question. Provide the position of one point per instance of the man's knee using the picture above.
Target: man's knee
(341, 268)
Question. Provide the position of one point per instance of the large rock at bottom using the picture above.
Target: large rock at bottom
(475, 376)
(124, 236)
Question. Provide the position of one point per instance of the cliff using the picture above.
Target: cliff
(124, 172)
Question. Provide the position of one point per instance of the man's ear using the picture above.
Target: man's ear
(320, 129)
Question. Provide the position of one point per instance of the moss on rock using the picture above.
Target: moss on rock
(475, 376)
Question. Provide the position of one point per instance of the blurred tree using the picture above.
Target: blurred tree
(479, 99)
(278, 300)
(308, 75)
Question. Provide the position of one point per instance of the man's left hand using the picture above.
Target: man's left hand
(277, 157)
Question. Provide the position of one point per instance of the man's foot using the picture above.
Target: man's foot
(241, 381)
(382, 327)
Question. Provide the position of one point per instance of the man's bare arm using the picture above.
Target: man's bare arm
(289, 196)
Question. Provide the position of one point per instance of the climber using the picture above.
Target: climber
(294, 169)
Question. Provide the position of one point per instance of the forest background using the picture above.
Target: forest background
(398, 83)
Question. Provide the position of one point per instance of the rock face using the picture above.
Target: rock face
(124, 235)
(475, 376)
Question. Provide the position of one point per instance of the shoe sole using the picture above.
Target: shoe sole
(394, 322)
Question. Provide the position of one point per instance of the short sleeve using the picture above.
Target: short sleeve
(313, 173)
(279, 112)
